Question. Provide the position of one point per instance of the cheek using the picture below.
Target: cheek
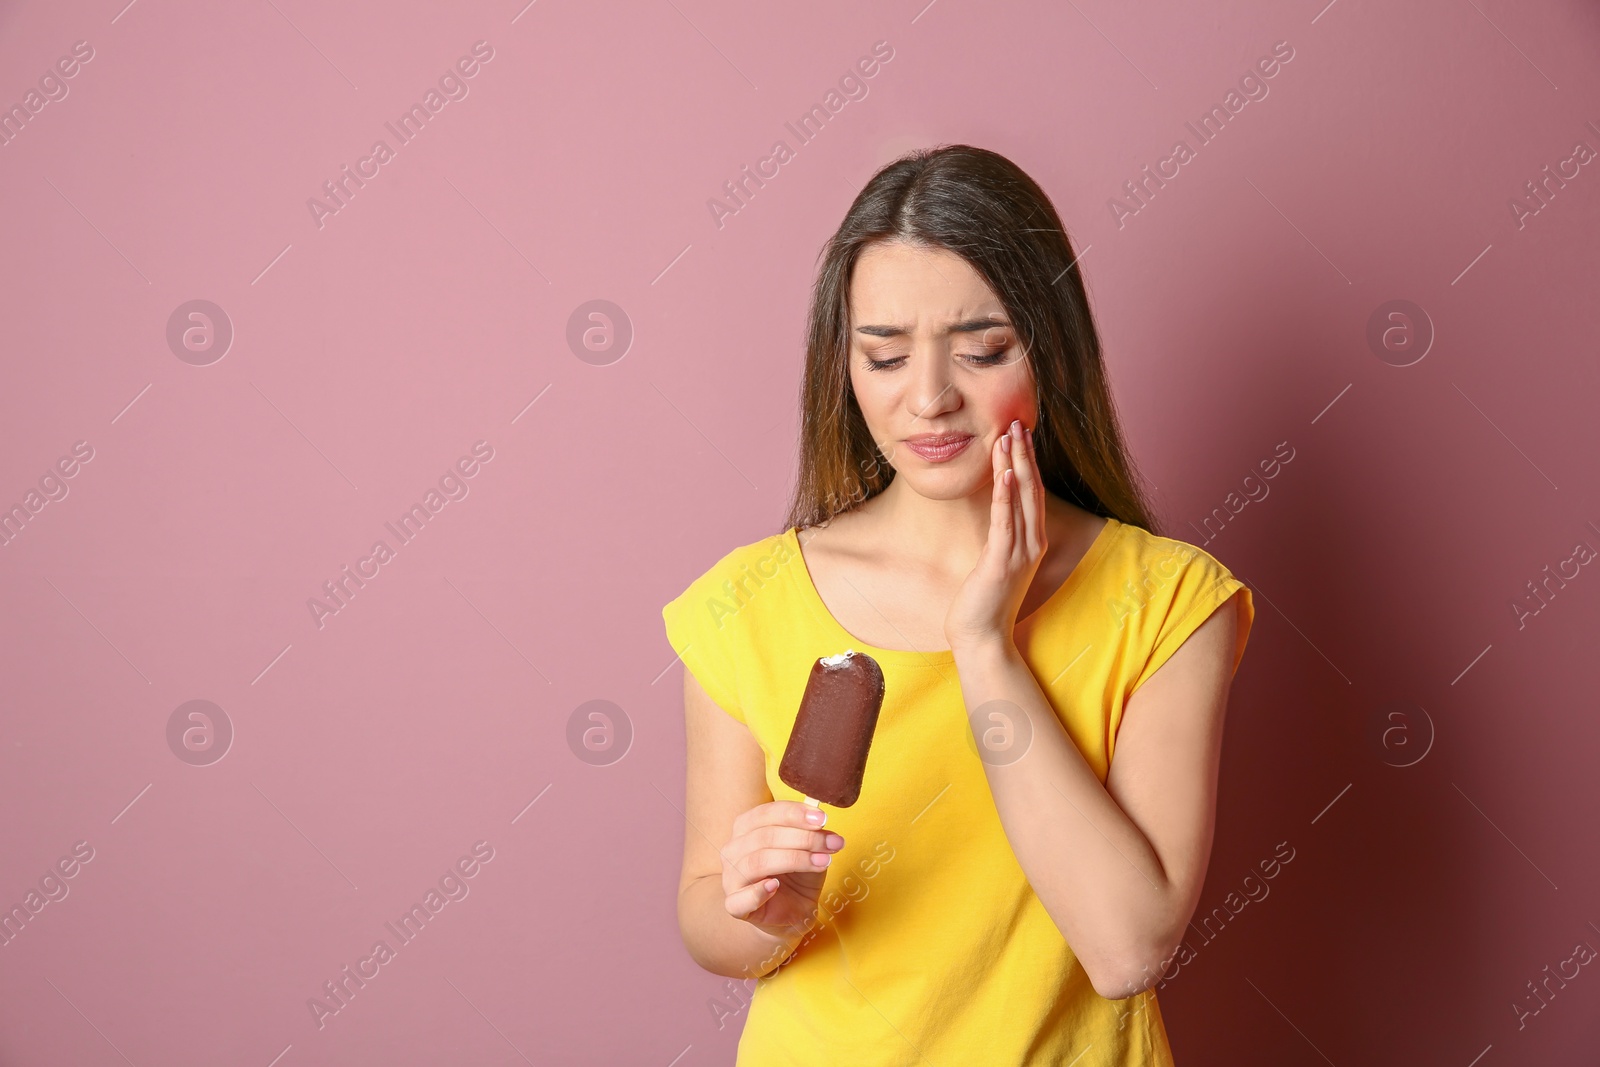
(1010, 399)
(873, 393)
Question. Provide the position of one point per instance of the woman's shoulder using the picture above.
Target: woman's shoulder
(1163, 588)
(714, 624)
(1151, 575)
(741, 576)
(706, 624)
(757, 557)
(1143, 551)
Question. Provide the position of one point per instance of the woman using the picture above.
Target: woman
(1004, 891)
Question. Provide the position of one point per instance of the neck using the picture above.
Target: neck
(937, 534)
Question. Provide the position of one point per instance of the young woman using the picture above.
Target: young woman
(1004, 891)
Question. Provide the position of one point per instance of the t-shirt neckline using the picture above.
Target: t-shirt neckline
(913, 657)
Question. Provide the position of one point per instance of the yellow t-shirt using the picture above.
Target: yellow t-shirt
(931, 946)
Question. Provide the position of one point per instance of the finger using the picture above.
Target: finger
(1019, 524)
(1042, 528)
(779, 823)
(1014, 496)
(812, 840)
(751, 897)
(766, 862)
(797, 813)
(1001, 522)
(779, 813)
(1028, 491)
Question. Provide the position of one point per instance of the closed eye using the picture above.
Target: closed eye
(980, 359)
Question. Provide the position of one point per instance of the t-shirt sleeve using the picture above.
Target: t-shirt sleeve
(1182, 587)
(692, 621)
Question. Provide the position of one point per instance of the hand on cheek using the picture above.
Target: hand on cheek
(985, 607)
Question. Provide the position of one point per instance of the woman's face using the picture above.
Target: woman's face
(952, 374)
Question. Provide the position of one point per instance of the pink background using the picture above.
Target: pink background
(369, 754)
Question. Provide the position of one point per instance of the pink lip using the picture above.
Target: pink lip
(938, 448)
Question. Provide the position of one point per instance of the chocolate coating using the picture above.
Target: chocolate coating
(827, 751)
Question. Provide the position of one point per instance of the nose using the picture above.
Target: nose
(933, 390)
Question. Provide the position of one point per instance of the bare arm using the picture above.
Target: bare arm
(1119, 867)
(735, 839)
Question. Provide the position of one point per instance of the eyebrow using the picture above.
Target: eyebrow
(966, 326)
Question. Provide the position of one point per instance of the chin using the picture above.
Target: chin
(946, 484)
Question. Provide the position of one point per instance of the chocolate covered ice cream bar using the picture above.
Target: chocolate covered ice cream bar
(827, 751)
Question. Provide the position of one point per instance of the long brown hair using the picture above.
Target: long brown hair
(982, 207)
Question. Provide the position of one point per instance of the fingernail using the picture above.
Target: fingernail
(1005, 442)
(1029, 435)
(834, 841)
(820, 859)
(816, 818)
